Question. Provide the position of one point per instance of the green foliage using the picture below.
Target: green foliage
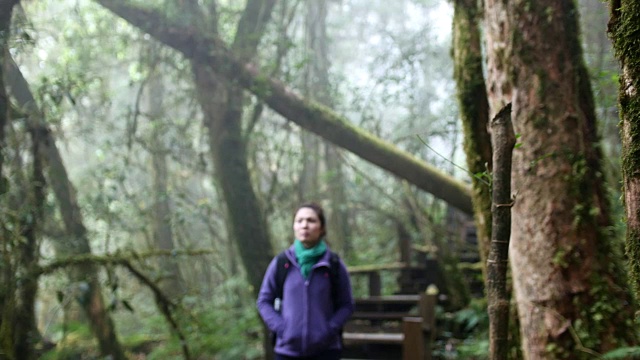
(474, 349)
(73, 341)
(464, 332)
(623, 353)
(216, 331)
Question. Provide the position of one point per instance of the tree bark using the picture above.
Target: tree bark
(211, 51)
(8, 288)
(474, 112)
(78, 243)
(572, 298)
(623, 29)
(474, 109)
(503, 140)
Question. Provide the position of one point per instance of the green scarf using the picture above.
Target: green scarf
(308, 257)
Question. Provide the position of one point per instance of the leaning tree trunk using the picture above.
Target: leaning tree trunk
(228, 147)
(229, 152)
(210, 50)
(78, 243)
(572, 298)
(623, 29)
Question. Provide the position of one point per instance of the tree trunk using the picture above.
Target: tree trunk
(78, 243)
(474, 112)
(228, 151)
(319, 90)
(221, 102)
(308, 183)
(211, 51)
(23, 204)
(503, 141)
(10, 342)
(171, 281)
(338, 222)
(623, 29)
(6, 10)
(474, 108)
(572, 298)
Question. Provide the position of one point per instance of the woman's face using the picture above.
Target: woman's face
(307, 227)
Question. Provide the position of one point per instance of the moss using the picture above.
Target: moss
(580, 180)
(609, 310)
(624, 28)
(630, 112)
(624, 31)
(474, 112)
(602, 305)
(540, 122)
(633, 254)
(559, 258)
(7, 343)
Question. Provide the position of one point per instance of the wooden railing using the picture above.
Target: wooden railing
(372, 272)
(406, 321)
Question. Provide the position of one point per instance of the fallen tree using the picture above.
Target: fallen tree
(209, 49)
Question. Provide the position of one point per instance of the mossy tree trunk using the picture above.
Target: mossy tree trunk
(623, 29)
(474, 112)
(222, 105)
(8, 288)
(6, 11)
(24, 211)
(572, 297)
(77, 243)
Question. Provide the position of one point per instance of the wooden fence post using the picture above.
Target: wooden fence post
(413, 347)
(375, 285)
(428, 303)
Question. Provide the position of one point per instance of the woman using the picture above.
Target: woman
(316, 296)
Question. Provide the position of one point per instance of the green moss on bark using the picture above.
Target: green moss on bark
(624, 27)
(474, 112)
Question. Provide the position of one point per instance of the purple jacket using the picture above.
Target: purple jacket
(308, 323)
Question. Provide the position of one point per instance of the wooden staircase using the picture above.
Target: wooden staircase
(402, 326)
(390, 327)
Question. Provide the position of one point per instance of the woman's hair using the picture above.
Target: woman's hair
(317, 209)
